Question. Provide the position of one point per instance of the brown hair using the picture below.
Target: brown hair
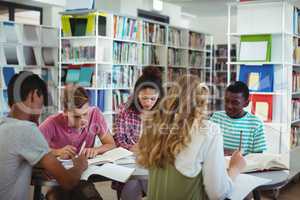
(74, 97)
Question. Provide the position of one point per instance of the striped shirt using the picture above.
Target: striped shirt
(253, 139)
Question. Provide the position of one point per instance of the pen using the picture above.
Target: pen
(241, 138)
(82, 147)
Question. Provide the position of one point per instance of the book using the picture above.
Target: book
(109, 170)
(110, 156)
(73, 75)
(85, 77)
(255, 48)
(7, 74)
(259, 78)
(256, 162)
(262, 106)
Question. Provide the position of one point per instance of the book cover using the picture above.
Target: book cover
(262, 106)
(258, 78)
(72, 76)
(255, 48)
(85, 77)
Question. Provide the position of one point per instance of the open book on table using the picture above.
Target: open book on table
(109, 170)
(264, 162)
(118, 155)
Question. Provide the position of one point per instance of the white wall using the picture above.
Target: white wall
(217, 26)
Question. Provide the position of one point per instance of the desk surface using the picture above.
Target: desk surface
(278, 179)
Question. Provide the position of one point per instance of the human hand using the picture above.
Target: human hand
(80, 162)
(237, 161)
(66, 152)
(90, 152)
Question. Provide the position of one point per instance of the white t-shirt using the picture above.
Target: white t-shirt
(22, 145)
(205, 152)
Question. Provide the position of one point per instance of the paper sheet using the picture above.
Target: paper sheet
(253, 51)
(111, 171)
(261, 110)
(244, 184)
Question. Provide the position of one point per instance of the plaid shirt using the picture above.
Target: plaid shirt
(127, 127)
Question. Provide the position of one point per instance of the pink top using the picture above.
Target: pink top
(58, 134)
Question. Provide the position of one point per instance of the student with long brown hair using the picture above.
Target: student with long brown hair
(182, 150)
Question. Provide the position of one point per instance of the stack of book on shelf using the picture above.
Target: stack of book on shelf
(153, 33)
(296, 20)
(295, 136)
(104, 79)
(124, 76)
(176, 57)
(196, 59)
(295, 109)
(196, 40)
(77, 53)
(296, 81)
(79, 74)
(100, 94)
(127, 28)
(152, 55)
(174, 73)
(126, 53)
(119, 97)
(176, 38)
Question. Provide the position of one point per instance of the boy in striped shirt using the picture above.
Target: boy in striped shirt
(235, 120)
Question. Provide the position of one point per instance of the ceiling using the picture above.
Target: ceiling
(203, 7)
(208, 7)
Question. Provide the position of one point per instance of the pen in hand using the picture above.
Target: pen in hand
(241, 138)
(82, 147)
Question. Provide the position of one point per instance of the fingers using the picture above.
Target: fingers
(90, 152)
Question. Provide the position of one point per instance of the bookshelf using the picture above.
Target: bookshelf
(220, 73)
(116, 48)
(31, 48)
(268, 73)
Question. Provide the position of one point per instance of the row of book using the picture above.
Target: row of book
(134, 54)
(125, 76)
(296, 21)
(296, 81)
(177, 57)
(295, 136)
(126, 52)
(196, 40)
(222, 51)
(196, 59)
(295, 109)
(174, 73)
(97, 98)
(132, 29)
(82, 75)
(177, 38)
(119, 97)
(77, 53)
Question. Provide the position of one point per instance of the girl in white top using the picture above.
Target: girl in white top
(182, 150)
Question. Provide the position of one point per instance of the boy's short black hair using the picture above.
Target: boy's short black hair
(239, 87)
(22, 83)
